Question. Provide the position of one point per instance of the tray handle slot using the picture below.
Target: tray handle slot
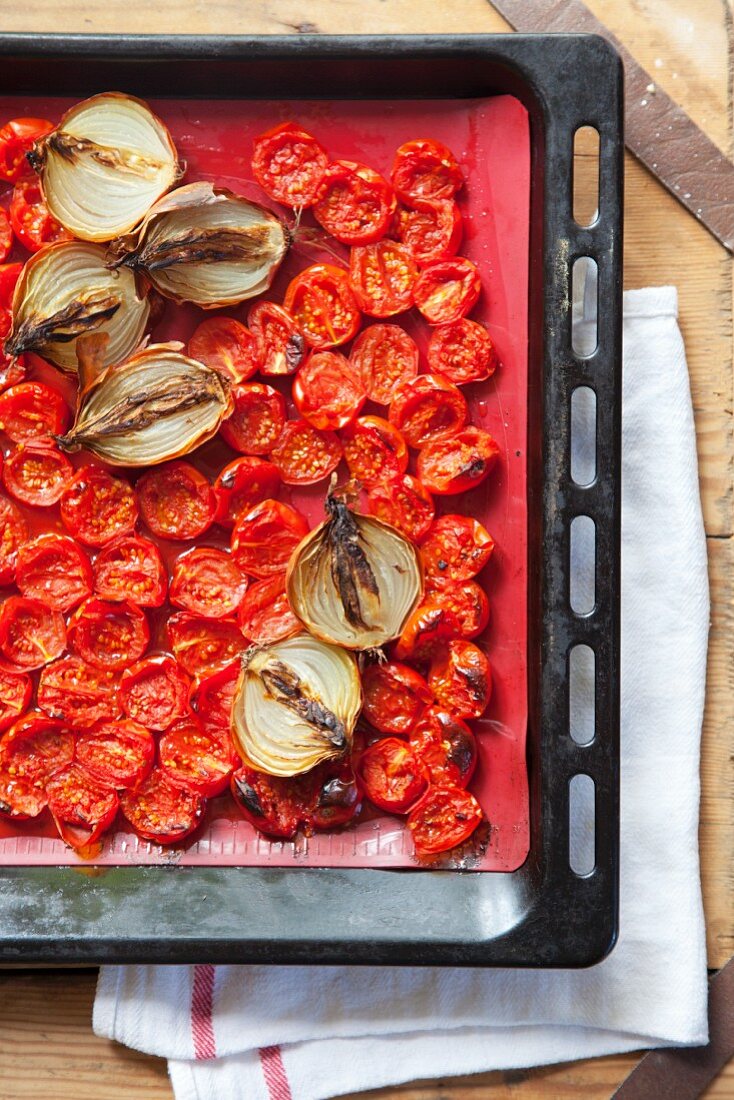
(582, 694)
(585, 175)
(582, 824)
(583, 436)
(582, 572)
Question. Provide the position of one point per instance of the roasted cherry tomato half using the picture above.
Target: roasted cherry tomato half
(108, 635)
(76, 692)
(289, 164)
(264, 538)
(207, 582)
(30, 218)
(155, 692)
(6, 237)
(304, 455)
(403, 502)
(323, 304)
(13, 535)
(202, 646)
(386, 357)
(275, 806)
(444, 818)
(176, 501)
(447, 747)
(96, 507)
(212, 702)
(462, 351)
(32, 412)
(431, 231)
(335, 795)
(447, 290)
(394, 696)
(16, 689)
(425, 169)
(354, 203)
(82, 807)
(131, 568)
(195, 759)
(37, 475)
(428, 407)
(16, 139)
(31, 634)
(119, 754)
(280, 342)
(456, 548)
(55, 570)
(374, 450)
(243, 484)
(328, 391)
(265, 615)
(382, 276)
(257, 421)
(461, 679)
(392, 775)
(161, 811)
(426, 629)
(467, 600)
(225, 345)
(30, 752)
(457, 464)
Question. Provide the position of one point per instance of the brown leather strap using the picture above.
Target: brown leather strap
(658, 131)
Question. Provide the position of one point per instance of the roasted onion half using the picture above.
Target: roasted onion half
(296, 704)
(66, 291)
(206, 245)
(105, 165)
(354, 580)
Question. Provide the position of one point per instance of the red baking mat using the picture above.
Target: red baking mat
(491, 139)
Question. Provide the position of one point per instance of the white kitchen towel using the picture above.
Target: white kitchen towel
(299, 1033)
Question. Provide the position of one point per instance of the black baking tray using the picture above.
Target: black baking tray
(542, 914)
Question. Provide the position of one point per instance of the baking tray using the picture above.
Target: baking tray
(542, 914)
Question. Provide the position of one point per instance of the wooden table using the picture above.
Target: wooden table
(46, 1043)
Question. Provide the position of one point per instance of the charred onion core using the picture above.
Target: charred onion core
(354, 580)
(156, 406)
(66, 291)
(295, 705)
(105, 165)
(205, 245)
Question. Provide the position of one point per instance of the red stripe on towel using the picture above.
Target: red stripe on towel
(274, 1073)
(202, 1028)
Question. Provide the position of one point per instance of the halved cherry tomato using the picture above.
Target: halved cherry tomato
(176, 501)
(241, 485)
(194, 759)
(431, 231)
(16, 139)
(304, 455)
(265, 615)
(405, 503)
(257, 420)
(461, 678)
(55, 570)
(155, 692)
(280, 342)
(467, 600)
(30, 218)
(6, 237)
(328, 391)
(13, 534)
(119, 754)
(428, 407)
(354, 203)
(446, 746)
(109, 635)
(447, 290)
(445, 817)
(207, 582)
(33, 412)
(212, 701)
(273, 805)
(264, 537)
(392, 775)
(456, 548)
(31, 634)
(161, 811)
(78, 693)
(425, 169)
(323, 304)
(457, 464)
(462, 351)
(202, 646)
(382, 276)
(289, 164)
(394, 696)
(226, 346)
(97, 507)
(16, 689)
(131, 568)
(336, 796)
(374, 450)
(37, 475)
(31, 751)
(426, 629)
(82, 807)
(386, 357)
